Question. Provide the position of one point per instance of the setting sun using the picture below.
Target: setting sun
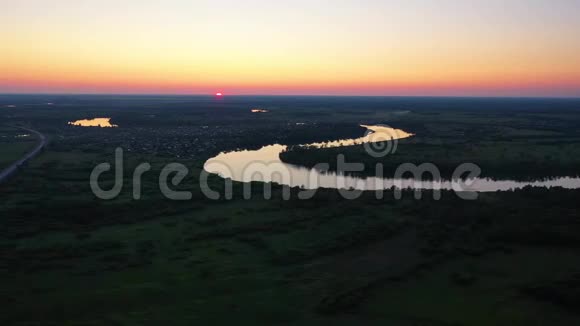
(305, 162)
(458, 48)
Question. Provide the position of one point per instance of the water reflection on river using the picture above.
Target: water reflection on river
(264, 165)
(375, 134)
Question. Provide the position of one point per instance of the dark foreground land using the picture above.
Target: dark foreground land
(507, 258)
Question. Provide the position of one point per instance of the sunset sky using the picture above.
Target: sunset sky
(334, 47)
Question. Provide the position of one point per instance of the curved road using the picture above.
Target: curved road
(9, 171)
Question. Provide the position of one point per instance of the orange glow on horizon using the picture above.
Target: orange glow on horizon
(365, 48)
(500, 87)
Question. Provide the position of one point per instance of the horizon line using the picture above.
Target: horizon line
(294, 95)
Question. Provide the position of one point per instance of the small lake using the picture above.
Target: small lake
(264, 165)
(96, 122)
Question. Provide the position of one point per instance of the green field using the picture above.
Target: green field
(507, 258)
(13, 145)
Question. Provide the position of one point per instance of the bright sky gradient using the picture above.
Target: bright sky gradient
(335, 47)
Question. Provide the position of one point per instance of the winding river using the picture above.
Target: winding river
(264, 165)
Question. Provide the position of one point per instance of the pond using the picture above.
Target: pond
(96, 122)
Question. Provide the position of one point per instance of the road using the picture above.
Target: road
(12, 169)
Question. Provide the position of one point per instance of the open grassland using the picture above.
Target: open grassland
(14, 143)
(69, 258)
